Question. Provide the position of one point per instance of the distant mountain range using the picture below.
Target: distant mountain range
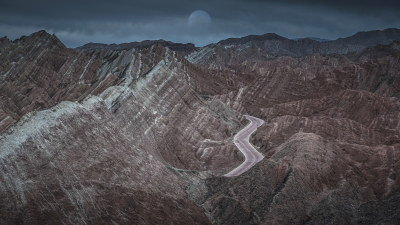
(185, 48)
(265, 46)
(313, 38)
(268, 46)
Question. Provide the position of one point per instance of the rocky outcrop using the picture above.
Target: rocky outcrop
(4, 43)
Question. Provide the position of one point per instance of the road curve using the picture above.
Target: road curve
(242, 142)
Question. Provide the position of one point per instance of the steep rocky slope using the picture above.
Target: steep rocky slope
(142, 134)
(106, 156)
(72, 164)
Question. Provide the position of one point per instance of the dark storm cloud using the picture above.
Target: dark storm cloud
(353, 4)
(77, 22)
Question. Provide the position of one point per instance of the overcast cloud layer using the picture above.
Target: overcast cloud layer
(77, 22)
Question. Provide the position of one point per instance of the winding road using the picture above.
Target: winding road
(242, 142)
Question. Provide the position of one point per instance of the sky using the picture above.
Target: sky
(76, 22)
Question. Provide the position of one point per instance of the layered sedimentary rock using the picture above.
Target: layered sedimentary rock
(108, 155)
(331, 139)
(143, 134)
(75, 165)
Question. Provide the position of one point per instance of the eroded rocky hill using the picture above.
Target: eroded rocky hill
(143, 134)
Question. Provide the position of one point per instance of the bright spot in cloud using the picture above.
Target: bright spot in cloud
(199, 17)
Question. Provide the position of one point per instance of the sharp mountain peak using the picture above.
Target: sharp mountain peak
(43, 37)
